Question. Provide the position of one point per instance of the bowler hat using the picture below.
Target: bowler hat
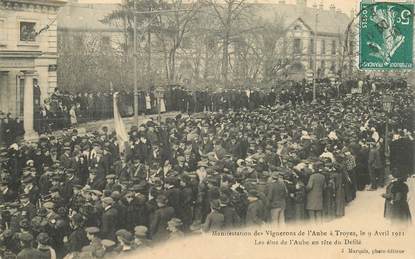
(26, 237)
(43, 238)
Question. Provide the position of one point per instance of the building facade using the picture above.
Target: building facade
(315, 38)
(28, 54)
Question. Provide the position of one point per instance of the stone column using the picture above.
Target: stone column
(28, 115)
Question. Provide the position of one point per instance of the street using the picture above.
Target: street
(366, 203)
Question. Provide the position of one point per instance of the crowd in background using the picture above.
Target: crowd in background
(254, 160)
(63, 110)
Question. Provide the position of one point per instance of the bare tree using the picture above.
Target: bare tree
(173, 30)
(229, 13)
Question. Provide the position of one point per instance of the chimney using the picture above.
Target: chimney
(301, 3)
(338, 10)
(281, 2)
(315, 5)
(332, 8)
(321, 6)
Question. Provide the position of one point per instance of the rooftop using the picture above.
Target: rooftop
(329, 21)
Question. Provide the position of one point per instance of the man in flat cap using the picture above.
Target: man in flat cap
(109, 219)
(95, 246)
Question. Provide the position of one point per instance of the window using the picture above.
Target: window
(333, 67)
(333, 47)
(311, 64)
(3, 35)
(323, 65)
(27, 31)
(297, 46)
(106, 40)
(311, 46)
(323, 47)
(297, 27)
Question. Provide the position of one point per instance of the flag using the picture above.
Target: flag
(122, 136)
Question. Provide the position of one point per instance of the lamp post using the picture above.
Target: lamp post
(135, 65)
(315, 57)
(387, 107)
(159, 96)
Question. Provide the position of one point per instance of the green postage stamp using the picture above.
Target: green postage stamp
(386, 35)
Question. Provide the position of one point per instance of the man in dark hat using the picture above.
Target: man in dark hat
(67, 186)
(56, 197)
(158, 222)
(214, 220)
(132, 210)
(276, 195)
(231, 218)
(172, 192)
(77, 238)
(186, 201)
(109, 219)
(256, 209)
(110, 181)
(315, 188)
(44, 247)
(30, 189)
(80, 165)
(66, 158)
(27, 208)
(374, 166)
(8, 130)
(6, 193)
(27, 251)
(120, 207)
(94, 181)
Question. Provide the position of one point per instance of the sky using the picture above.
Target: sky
(345, 5)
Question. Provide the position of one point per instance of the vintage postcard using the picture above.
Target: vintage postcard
(207, 129)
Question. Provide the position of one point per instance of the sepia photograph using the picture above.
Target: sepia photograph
(207, 129)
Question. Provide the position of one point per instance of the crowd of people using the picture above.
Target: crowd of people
(63, 110)
(277, 160)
